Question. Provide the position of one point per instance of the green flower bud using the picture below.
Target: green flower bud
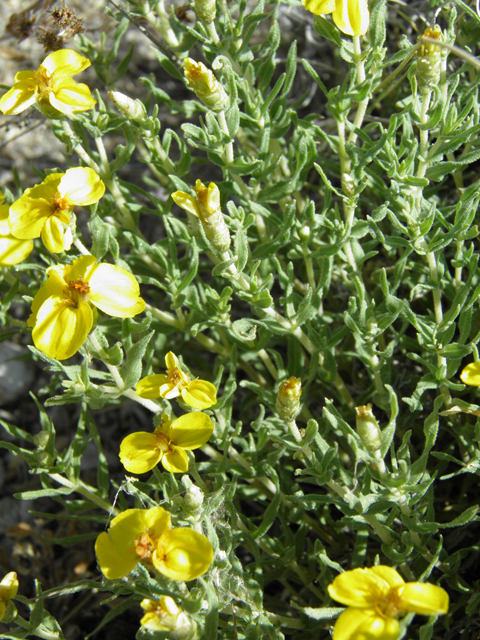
(429, 61)
(368, 428)
(288, 399)
(206, 10)
(206, 86)
(194, 497)
(132, 109)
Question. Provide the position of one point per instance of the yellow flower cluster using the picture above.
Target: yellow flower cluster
(198, 394)
(141, 451)
(51, 87)
(376, 597)
(62, 312)
(146, 535)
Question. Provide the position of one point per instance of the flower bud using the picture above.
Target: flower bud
(206, 206)
(206, 10)
(132, 109)
(165, 615)
(288, 399)
(368, 428)
(206, 86)
(429, 60)
(194, 497)
(8, 590)
(41, 439)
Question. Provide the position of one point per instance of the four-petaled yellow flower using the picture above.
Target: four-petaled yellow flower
(350, 16)
(12, 250)
(471, 374)
(197, 393)
(46, 209)
(8, 590)
(50, 86)
(62, 313)
(165, 615)
(147, 535)
(141, 451)
(376, 597)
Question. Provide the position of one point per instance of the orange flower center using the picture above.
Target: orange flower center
(43, 79)
(178, 378)
(164, 444)
(389, 605)
(143, 546)
(77, 289)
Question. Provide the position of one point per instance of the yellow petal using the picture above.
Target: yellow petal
(352, 16)
(71, 97)
(54, 235)
(139, 452)
(424, 598)
(115, 291)
(358, 588)
(9, 586)
(191, 430)
(65, 62)
(169, 390)
(175, 461)
(21, 96)
(183, 554)
(157, 520)
(200, 394)
(81, 186)
(54, 286)
(391, 577)
(61, 328)
(471, 374)
(116, 550)
(319, 7)
(171, 361)
(28, 216)
(13, 250)
(364, 624)
(185, 201)
(149, 387)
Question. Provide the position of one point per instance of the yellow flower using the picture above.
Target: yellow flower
(12, 250)
(198, 394)
(141, 451)
(471, 374)
(8, 590)
(376, 597)
(350, 16)
(147, 535)
(206, 86)
(46, 209)
(206, 207)
(50, 86)
(165, 615)
(62, 313)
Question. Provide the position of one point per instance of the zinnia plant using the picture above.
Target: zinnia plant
(50, 86)
(198, 394)
(376, 597)
(146, 535)
(46, 210)
(141, 451)
(62, 312)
